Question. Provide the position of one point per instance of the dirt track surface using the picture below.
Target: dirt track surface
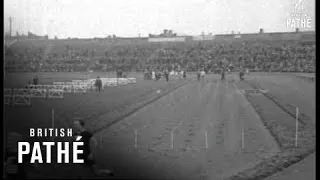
(167, 139)
(214, 109)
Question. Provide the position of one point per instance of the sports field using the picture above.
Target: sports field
(208, 129)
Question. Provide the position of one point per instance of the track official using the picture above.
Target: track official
(89, 147)
(98, 84)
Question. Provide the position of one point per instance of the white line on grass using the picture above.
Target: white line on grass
(135, 138)
(297, 124)
(172, 138)
(242, 128)
(206, 138)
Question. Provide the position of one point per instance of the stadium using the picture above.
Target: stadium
(180, 127)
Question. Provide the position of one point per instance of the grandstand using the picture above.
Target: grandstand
(296, 48)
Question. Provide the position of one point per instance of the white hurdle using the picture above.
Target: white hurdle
(8, 96)
(37, 91)
(75, 86)
(132, 80)
(79, 88)
(55, 93)
(21, 97)
(67, 88)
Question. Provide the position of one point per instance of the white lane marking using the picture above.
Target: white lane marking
(215, 93)
(237, 89)
(242, 138)
(135, 138)
(206, 138)
(172, 132)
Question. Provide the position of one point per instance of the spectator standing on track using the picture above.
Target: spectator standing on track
(223, 74)
(145, 74)
(98, 84)
(35, 80)
(166, 74)
(89, 147)
(153, 75)
(202, 74)
(157, 75)
(241, 75)
(29, 83)
(198, 75)
(184, 74)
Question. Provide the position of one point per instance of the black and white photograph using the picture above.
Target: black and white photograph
(159, 89)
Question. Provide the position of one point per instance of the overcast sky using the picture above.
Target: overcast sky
(99, 18)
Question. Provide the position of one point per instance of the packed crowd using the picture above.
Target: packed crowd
(281, 56)
(41, 62)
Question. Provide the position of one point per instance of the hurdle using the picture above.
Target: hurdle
(7, 96)
(55, 93)
(59, 83)
(21, 97)
(69, 83)
(79, 89)
(109, 82)
(90, 87)
(67, 88)
(132, 80)
(38, 93)
(32, 86)
(47, 87)
(122, 81)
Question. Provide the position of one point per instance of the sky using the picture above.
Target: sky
(129, 18)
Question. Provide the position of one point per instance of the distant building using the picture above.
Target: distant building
(166, 33)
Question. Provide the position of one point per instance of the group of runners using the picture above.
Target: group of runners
(201, 74)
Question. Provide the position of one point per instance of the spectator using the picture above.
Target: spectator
(98, 84)
(35, 80)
